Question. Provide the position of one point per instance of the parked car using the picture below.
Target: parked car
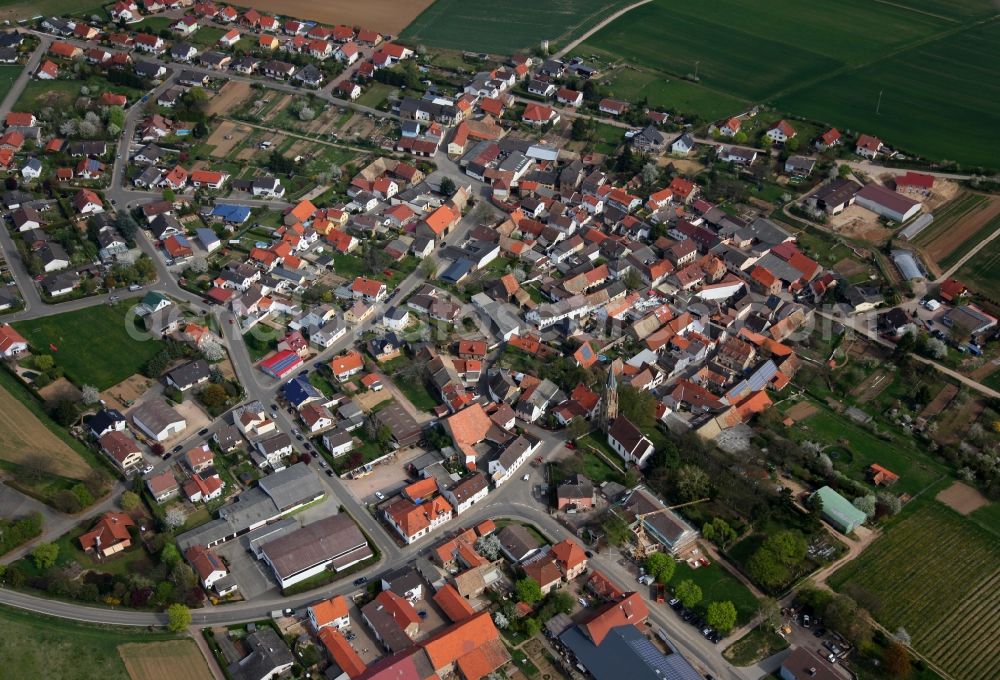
(360, 581)
(329, 473)
(379, 495)
(203, 431)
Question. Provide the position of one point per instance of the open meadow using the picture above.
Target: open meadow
(932, 60)
(37, 646)
(93, 345)
(516, 25)
(173, 660)
(937, 575)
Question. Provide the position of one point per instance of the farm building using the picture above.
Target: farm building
(906, 263)
(839, 511)
(887, 203)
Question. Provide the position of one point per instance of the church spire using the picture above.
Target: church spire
(609, 401)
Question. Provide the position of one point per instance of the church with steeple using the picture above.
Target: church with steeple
(609, 400)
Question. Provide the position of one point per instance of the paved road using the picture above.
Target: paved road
(7, 105)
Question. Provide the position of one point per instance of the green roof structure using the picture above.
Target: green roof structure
(839, 511)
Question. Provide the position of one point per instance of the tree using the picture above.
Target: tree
(719, 532)
(639, 406)
(447, 186)
(44, 362)
(528, 590)
(769, 612)
(44, 555)
(902, 636)
(557, 602)
(691, 483)
(500, 621)
(306, 114)
(169, 195)
(792, 144)
(766, 569)
(178, 618)
(616, 529)
(721, 616)
(212, 350)
(428, 267)
(789, 547)
(660, 566)
(175, 517)
(897, 660)
(130, 501)
(183, 576)
(866, 504)
(531, 627)
(90, 395)
(688, 592)
(489, 547)
(214, 396)
(650, 173)
(577, 428)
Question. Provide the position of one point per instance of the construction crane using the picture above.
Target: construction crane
(644, 546)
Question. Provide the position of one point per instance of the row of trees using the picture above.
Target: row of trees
(719, 615)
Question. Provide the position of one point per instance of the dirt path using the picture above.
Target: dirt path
(972, 253)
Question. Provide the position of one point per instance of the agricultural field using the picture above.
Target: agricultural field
(958, 228)
(829, 62)
(36, 646)
(982, 272)
(25, 440)
(483, 26)
(93, 345)
(938, 576)
(943, 83)
(386, 16)
(173, 660)
(11, 10)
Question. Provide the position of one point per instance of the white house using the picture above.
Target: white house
(467, 492)
(338, 442)
(396, 319)
(628, 442)
(511, 458)
(332, 612)
(209, 568)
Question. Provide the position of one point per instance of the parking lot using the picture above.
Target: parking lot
(387, 478)
(814, 636)
(252, 575)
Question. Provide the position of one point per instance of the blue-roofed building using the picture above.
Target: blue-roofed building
(234, 214)
(299, 392)
(208, 239)
(457, 271)
(626, 653)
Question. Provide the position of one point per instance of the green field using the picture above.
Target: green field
(375, 94)
(93, 345)
(8, 74)
(982, 273)
(948, 83)
(667, 92)
(517, 25)
(62, 94)
(917, 470)
(827, 62)
(718, 585)
(36, 646)
(937, 575)
(23, 9)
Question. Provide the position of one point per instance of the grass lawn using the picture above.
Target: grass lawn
(8, 74)
(935, 573)
(522, 24)
(917, 470)
(760, 643)
(375, 94)
(153, 24)
(348, 266)
(414, 390)
(37, 646)
(94, 345)
(668, 92)
(207, 36)
(38, 94)
(718, 585)
(135, 560)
